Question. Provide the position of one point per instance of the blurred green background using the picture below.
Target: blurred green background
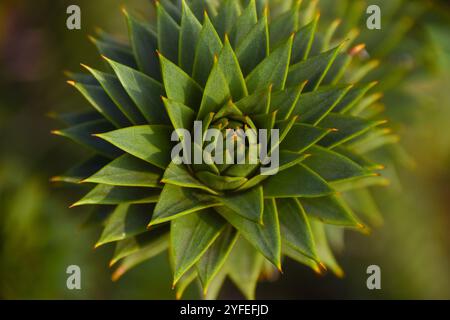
(40, 237)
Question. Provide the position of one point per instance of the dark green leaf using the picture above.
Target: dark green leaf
(297, 181)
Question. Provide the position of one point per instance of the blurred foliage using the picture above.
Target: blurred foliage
(40, 236)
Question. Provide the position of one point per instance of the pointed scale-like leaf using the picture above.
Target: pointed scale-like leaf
(323, 248)
(332, 166)
(229, 11)
(176, 201)
(248, 204)
(179, 175)
(264, 237)
(81, 171)
(117, 93)
(127, 171)
(295, 228)
(155, 244)
(168, 34)
(273, 70)
(244, 23)
(190, 238)
(84, 135)
(179, 85)
(208, 47)
(303, 41)
(106, 194)
(297, 181)
(220, 183)
(98, 98)
(189, 34)
(256, 103)
(244, 267)
(284, 25)
(302, 136)
(331, 210)
(212, 261)
(254, 47)
(348, 128)
(126, 221)
(316, 105)
(149, 143)
(181, 116)
(229, 65)
(313, 69)
(144, 91)
(113, 51)
(144, 42)
(142, 241)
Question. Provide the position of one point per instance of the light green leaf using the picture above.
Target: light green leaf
(229, 11)
(244, 267)
(176, 201)
(189, 34)
(272, 70)
(126, 221)
(129, 246)
(216, 92)
(191, 236)
(254, 47)
(208, 46)
(144, 91)
(256, 103)
(249, 204)
(284, 25)
(214, 258)
(324, 250)
(127, 171)
(155, 244)
(180, 176)
(231, 70)
(244, 24)
(179, 85)
(295, 228)
(220, 183)
(181, 116)
(106, 194)
(265, 238)
(149, 143)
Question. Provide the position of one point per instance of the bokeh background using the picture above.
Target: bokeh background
(40, 236)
